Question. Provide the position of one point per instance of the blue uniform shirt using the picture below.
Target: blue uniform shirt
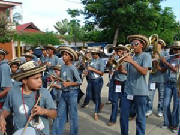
(5, 77)
(53, 61)
(136, 83)
(159, 76)
(70, 73)
(14, 104)
(98, 64)
(172, 76)
(119, 76)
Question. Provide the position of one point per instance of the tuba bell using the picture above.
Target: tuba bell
(108, 49)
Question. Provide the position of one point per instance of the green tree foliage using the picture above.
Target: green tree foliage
(130, 17)
(62, 27)
(6, 34)
(36, 39)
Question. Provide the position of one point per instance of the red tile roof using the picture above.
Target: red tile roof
(27, 27)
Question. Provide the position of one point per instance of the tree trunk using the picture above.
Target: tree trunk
(116, 36)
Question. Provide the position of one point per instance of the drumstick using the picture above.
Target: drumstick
(29, 119)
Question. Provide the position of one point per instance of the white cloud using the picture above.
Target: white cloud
(45, 13)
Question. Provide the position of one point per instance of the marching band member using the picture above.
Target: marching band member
(171, 119)
(56, 85)
(156, 80)
(136, 87)
(110, 67)
(52, 59)
(87, 60)
(44, 56)
(14, 66)
(28, 57)
(68, 99)
(118, 79)
(30, 51)
(21, 99)
(95, 80)
(5, 85)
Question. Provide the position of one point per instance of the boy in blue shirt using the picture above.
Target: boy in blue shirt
(21, 99)
(119, 77)
(68, 99)
(136, 87)
(171, 119)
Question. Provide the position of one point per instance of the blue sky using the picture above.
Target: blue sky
(45, 13)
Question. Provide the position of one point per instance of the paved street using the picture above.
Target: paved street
(88, 126)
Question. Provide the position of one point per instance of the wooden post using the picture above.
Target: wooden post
(18, 49)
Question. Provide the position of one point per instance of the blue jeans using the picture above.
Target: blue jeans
(140, 108)
(115, 101)
(110, 95)
(68, 100)
(94, 87)
(160, 87)
(171, 119)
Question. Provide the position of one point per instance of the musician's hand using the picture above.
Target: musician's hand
(90, 69)
(2, 124)
(128, 59)
(48, 64)
(37, 110)
(85, 73)
(66, 84)
(56, 86)
(52, 78)
(163, 60)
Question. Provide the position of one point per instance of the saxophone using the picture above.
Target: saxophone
(153, 40)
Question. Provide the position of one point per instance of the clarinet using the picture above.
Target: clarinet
(36, 118)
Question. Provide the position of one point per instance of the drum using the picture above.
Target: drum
(28, 131)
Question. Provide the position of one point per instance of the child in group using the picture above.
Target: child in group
(55, 87)
(14, 65)
(21, 100)
(68, 100)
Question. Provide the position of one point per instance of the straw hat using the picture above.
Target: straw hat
(57, 67)
(3, 52)
(141, 38)
(27, 54)
(49, 46)
(176, 45)
(120, 47)
(94, 49)
(15, 61)
(160, 41)
(68, 50)
(28, 69)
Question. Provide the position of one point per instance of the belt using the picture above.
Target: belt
(118, 82)
(1, 104)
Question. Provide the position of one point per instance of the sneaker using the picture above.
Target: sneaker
(84, 106)
(160, 114)
(164, 127)
(173, 129)
(110, 123)
(148, 113)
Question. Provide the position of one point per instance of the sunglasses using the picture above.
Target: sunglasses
(135, 43)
